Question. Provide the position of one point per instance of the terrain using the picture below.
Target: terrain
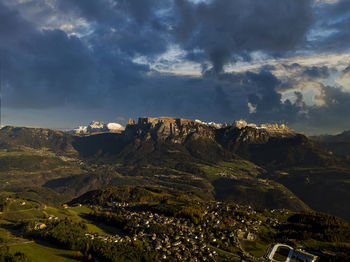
(169, 159)
(143, 223)
(336, 144)
(234, 162)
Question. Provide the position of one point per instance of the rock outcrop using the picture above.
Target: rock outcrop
(96, 126)
(131, 121)
(273, 129)
(175, 130)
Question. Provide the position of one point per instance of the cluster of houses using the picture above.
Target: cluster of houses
(223, 227)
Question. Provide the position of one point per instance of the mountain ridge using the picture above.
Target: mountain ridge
(239, 162)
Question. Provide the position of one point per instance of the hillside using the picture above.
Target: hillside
(12, 138)
(273, 150)
(267, 146)
(228, 163)
(152, 224)
(337, 144)
(323, 189)
(131, 194)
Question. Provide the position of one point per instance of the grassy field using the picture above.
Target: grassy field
(311, 243)
(232, 257)
(16, 211)
(79, 214)
(43, 252)
(21, 205)
(58, 212)
(27, 167)
(238, 168)
(256, 248)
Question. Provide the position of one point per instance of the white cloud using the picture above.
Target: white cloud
(173, 61)
(252, 109)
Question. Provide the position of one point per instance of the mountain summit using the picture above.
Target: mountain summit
(96, 127)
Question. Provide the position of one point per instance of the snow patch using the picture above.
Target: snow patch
(95, 127)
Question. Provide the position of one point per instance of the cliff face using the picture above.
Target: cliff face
(177, 130)
(172, 138)
(272, 147)
(166, 129)
(228, 162)
(265, 144)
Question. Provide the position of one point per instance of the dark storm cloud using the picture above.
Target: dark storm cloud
(223, 103)
(38, 12)
(346, 70)
(12, 27)
(317, 72)
(334, 17)
(97, 11)
(191, 97)
(224, 97)
(261, 91)
(53, 69)
(334, 10)
(49, 68)
(329, 113)
(114, 12)
(265, 98)
(92, 65)
(310, 72)
(334, 115)
(133, 26)
(226, 29)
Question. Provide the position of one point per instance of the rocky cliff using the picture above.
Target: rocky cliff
(168, 129)
(265, 144)
(226, 162)
(177, 130)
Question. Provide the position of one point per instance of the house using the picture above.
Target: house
(249, 236)
(39, 226)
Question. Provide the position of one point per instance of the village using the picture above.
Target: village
(222, 230)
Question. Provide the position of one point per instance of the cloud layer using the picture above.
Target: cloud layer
(256, 60)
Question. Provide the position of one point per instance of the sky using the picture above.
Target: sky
(68, 62)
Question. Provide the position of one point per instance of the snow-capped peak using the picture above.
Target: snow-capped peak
(96, 126)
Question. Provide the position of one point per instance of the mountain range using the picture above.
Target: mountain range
(96, 127)
(267, 166)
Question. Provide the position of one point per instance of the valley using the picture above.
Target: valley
(171, 168)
